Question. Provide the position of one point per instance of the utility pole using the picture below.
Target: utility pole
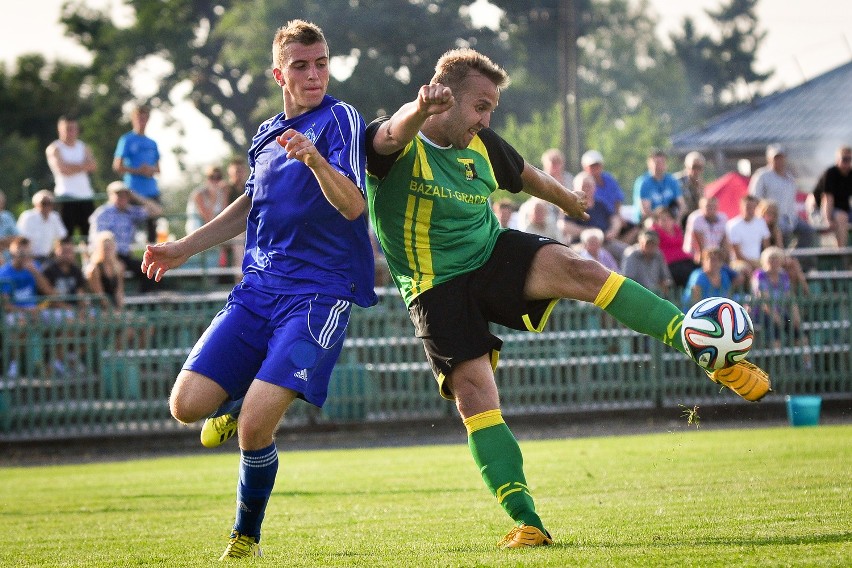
(569, 98)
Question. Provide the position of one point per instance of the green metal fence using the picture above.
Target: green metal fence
(117, 367)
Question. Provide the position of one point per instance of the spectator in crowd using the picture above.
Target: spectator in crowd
(20, 286)
(137, 158)
(591, 246)
(705, 228)
(548, 215)
(536, 216)
(657, 188)
(679, 261)
(608, 192)
(767, 209)
(71, 162)
(63, 271)
(779, 316)
(570, 228)
(553, 164)
(204, 203)
(42, 225)
(238, 173)
(121, 218)
(713, 278)
(834, 190)
(775, 181)
(105, 270)
(644, 263)
(8, 227)
(65, 276)
(504, 209)
(748, 235)
(691, 181)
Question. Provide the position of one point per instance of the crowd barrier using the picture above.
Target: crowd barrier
(118, 366)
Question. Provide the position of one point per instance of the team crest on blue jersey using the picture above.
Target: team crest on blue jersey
(311, 135)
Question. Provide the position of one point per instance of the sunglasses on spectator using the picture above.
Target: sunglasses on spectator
(846, 159)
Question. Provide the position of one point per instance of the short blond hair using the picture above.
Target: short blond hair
(455, 65)
(295, 31)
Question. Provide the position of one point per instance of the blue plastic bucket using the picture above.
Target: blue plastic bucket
(803, 410)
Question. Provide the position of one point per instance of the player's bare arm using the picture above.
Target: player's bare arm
(162, 257)
(340, 191)
(539, 184)
(394, 134)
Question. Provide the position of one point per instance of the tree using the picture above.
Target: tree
(721, 71)
(32, 98)
(221, 52)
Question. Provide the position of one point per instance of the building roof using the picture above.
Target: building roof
(816, 110)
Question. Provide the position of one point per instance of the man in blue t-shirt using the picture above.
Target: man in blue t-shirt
(138, 160)
(308, 258)
(657, 188)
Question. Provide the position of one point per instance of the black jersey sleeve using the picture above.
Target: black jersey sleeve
(505, 160)
(377, 164)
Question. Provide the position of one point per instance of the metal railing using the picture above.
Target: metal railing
(116, 368)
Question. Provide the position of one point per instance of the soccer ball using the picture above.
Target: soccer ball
(717, 332)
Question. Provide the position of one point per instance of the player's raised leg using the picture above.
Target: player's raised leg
(495, 450)
(558, 272)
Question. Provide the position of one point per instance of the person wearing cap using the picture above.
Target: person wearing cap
(119, 216)
(776, 181)
(609, 193)
(691, 182)
(657, 188)
(42, 225)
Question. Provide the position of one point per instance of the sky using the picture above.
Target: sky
(804, 39)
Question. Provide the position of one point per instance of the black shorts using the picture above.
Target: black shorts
(75, 215)
(452, 318)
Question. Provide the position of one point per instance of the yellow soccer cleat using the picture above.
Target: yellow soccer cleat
(216, 431)
(241, 546)
(523, 536)
(744, 378)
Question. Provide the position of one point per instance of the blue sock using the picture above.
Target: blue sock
(257, 476)
(229, 407)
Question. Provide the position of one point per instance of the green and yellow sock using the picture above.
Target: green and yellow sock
(498, 456)
(641, 310)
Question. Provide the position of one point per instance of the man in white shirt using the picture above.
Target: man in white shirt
(748, 236)
(71, 162)
(775, 181)
(42, 225)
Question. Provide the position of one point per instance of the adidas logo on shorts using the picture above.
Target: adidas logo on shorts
(303, 374)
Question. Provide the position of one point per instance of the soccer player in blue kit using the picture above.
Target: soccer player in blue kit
(308, 257)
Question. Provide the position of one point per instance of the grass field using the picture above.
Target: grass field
(763, 497)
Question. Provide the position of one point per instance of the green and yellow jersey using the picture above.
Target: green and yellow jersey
(429, 206)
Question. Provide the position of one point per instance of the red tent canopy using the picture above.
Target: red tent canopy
(731, 187)
(728, 190)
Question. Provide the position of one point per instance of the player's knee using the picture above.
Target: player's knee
(182, 410)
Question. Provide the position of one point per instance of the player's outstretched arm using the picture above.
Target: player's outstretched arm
(394, 134)
(539, 184)
(162, 257)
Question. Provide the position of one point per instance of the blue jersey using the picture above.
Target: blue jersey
(296, 241)
(136, 150)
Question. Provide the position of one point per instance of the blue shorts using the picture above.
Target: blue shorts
(290, 341)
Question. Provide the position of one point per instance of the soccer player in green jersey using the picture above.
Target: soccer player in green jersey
(431, 168)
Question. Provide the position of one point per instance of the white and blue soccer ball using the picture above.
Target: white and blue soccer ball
(717, 332)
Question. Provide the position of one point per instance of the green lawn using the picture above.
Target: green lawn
(762, 497)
